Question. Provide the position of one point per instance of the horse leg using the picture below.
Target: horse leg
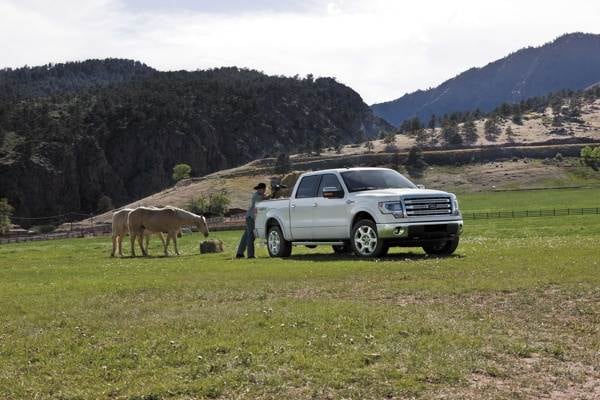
(175, 242)
(162, 239)
(140, 237)
(147, 239)
(132, 236)
(167, 244)
(120, 244)
(114, 244)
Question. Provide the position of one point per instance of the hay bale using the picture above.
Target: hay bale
(211, 246)
(288, 180)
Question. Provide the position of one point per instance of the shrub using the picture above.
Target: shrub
(6, 211)
(216, 204)
(105, 203)
(181, 171)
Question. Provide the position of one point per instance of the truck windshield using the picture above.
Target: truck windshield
(372, 179)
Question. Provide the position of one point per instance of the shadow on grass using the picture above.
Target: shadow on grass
(409, 256)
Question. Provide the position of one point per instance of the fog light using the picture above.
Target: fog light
(460, 228)
(398, 231)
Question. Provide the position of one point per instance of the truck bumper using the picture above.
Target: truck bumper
(420, 230)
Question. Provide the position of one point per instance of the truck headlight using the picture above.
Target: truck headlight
(391, 207)
(455, 208)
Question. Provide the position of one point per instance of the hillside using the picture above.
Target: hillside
(62, 152)
(571, 61)
(54, 79)
(523, 161)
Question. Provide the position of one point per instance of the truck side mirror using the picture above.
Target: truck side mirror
(331, 192)
(420, 186)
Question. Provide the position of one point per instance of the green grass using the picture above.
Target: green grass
(530, 199)
(514, 314)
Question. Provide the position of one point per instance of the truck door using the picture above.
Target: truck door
(302, 208)
(330, 219)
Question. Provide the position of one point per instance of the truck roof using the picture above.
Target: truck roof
(339, 170)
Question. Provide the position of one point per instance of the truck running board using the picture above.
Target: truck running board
(317, 243)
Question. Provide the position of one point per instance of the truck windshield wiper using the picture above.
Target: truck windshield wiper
(361, 188)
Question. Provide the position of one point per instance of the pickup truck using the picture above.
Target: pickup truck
(360, 210)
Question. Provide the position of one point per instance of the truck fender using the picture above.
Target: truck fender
(284, 229)
(358, 210)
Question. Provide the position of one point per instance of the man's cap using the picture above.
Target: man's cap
(260, 186)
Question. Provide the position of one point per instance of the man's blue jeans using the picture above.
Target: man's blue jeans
(247, 241)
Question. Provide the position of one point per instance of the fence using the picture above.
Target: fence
(215, 224)
(238, 222)
(555, 212)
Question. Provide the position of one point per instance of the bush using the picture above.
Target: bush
(105, 204)
(216, 204)
(181, 171)
(6, 211)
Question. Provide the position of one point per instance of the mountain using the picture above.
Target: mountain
(571, 62)
(52, 79)
(64, 143)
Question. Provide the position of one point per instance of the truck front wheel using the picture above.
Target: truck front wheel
(444, 248)
(276, 243)
(365, 241)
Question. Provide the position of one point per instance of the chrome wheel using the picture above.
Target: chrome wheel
(365, 240)
(274, 242)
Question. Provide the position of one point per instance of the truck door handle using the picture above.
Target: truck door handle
(315, 204)
(293, 205)
(349, 201)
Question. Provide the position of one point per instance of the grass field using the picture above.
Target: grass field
(514, 314)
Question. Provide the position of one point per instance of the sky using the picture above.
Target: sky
(381, 48)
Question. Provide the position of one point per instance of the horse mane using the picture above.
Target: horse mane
(183, 213)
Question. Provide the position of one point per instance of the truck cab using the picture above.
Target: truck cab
(360, 210)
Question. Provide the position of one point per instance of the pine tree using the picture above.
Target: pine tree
(431, 124)
(510, 136)
(451, 134)
(470, 132)
(6, 211)
(415, 162)
(369, 146)
(490, 128)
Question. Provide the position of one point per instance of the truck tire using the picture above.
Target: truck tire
(342, 249)
(365, 240)
(444, 248)
(276, 243)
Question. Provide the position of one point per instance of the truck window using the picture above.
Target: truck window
(372, 179)
(308, 187)
(329, 180)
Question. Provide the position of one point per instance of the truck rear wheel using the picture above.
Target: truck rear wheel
(276, 243)
(444, 248)
(365, 241)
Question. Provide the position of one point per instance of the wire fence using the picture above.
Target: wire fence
(555, 212)
(235, 222)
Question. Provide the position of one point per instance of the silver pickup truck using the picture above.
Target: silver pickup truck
(360, 210)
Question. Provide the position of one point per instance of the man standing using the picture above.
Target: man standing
(247, 241)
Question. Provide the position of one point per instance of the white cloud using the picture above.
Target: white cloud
(381, 48)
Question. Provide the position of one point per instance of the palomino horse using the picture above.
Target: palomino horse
(168, 219)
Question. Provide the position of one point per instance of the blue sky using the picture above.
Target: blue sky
(381, 48)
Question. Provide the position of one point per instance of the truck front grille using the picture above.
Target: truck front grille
(417, 206)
